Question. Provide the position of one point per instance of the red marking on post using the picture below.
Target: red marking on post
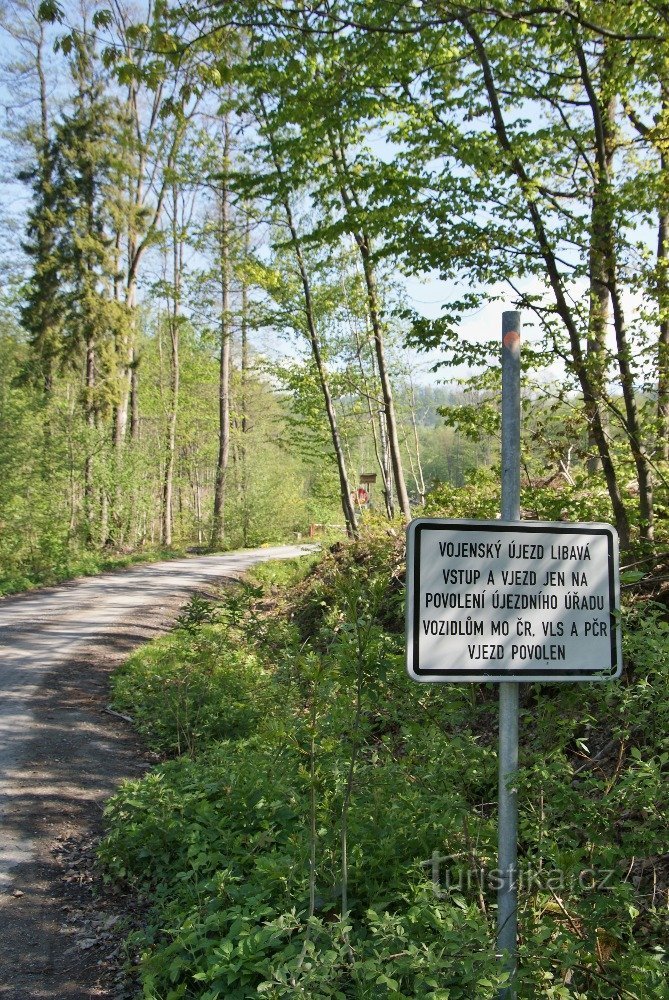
(511, 339)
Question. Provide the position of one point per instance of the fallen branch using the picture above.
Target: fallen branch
(118, 715)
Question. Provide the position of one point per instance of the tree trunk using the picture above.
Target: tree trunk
(174, 320)
(363, 240)
(134, 397)
(138, 241)
(310, 317)
(89, 486)
(378, 435)
(344, 487)
(604, 130)
(592, 400)
(218, 525)
(384, 378)
(125, 375)
(386, 471)
(244, 402)
(632, 422)
(598, 316)
(662, 444)
(44, 161)
(419, 478)
(104, 516)
(655, 137)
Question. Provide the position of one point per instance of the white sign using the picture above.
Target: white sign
(512, 601)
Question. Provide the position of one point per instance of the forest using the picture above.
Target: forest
(178, 369)
(224, 223)
(215, 214)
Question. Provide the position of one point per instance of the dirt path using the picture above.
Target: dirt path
(62, 754)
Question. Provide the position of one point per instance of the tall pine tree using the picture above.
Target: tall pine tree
(70, 311)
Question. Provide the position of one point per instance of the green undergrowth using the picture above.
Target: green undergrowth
(46, 569)
(50, 564)
(323, 827)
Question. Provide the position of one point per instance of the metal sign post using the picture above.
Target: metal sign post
(510, 601)
(507, 835)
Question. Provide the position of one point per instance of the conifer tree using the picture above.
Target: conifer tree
(69, 311)
(41, 310)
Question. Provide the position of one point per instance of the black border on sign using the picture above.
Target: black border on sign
(534, 673)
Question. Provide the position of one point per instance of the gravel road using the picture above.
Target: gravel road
(61, 754)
